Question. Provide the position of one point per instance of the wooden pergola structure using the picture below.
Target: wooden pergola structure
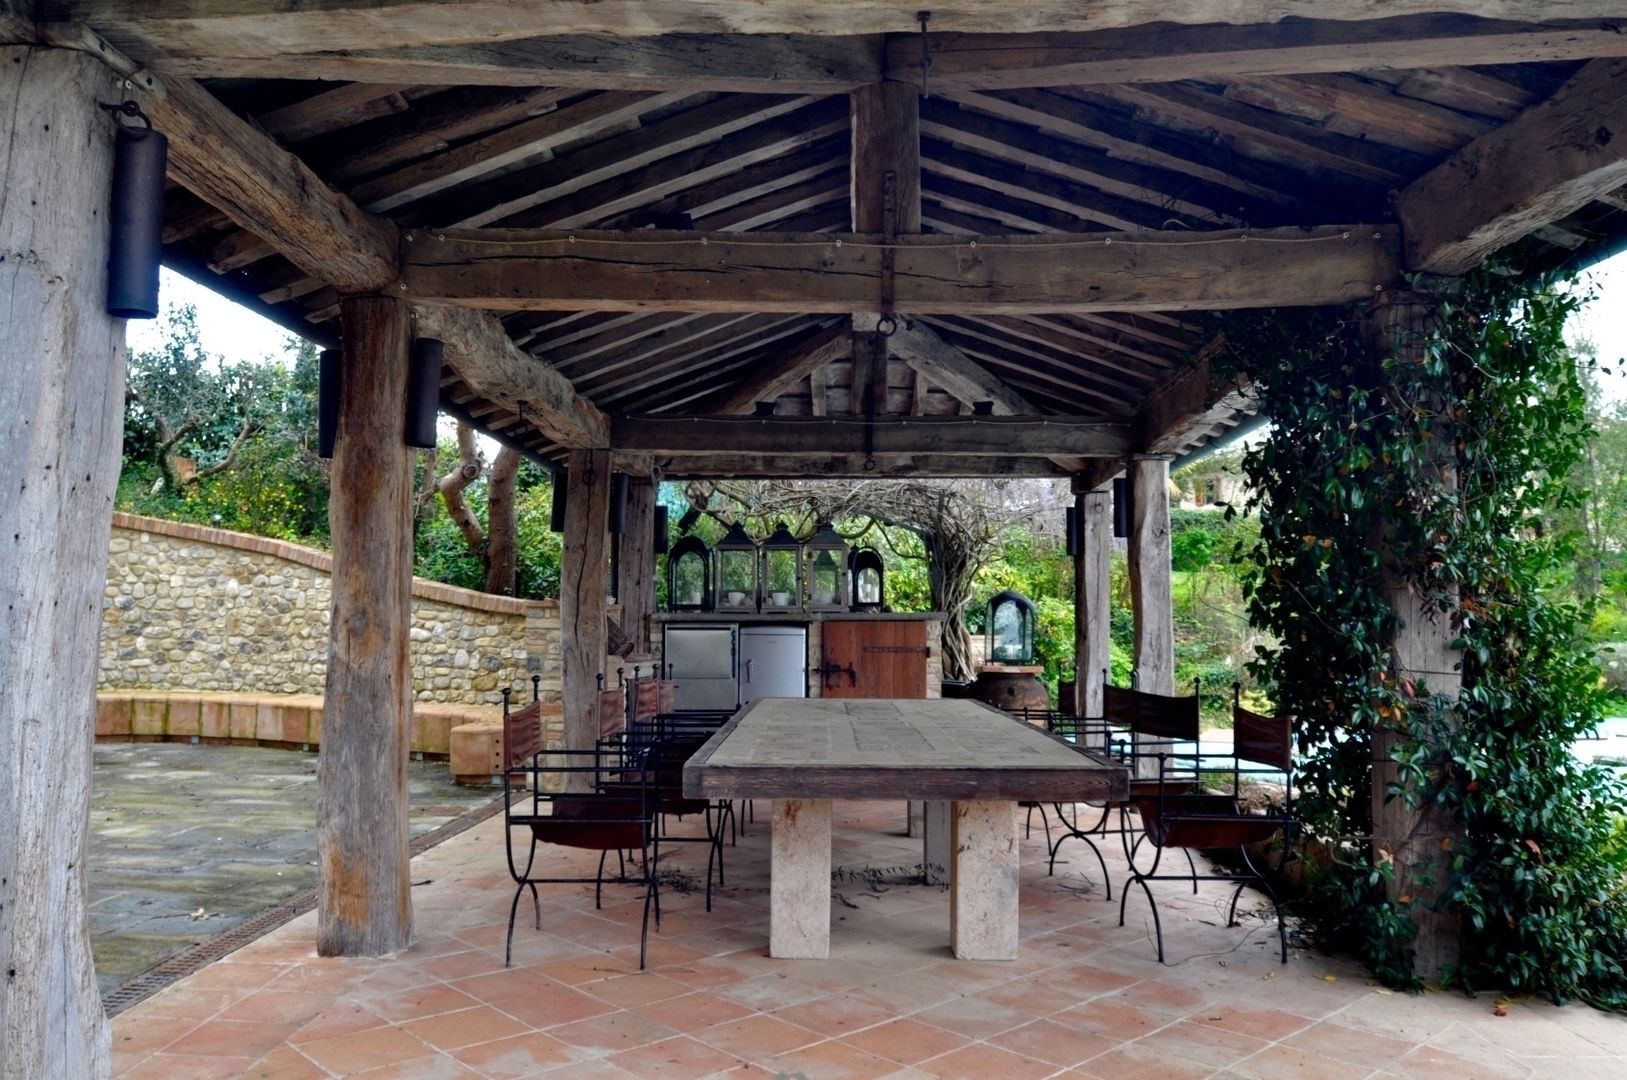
(697, 238)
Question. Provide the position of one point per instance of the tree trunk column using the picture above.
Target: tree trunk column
(1092, 605)
(62, 396)
(636, 589)
(365, 904)
(1150, 598)
(1418, 839)
(584, 585)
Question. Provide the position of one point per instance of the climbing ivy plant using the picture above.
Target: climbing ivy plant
(1438, 466)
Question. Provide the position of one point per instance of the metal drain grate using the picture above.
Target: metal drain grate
(204, 953)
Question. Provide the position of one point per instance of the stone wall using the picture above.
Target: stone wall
(195, 609)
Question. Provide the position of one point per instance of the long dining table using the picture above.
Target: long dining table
(803, 753)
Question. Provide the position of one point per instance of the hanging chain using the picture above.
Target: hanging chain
(925, 17)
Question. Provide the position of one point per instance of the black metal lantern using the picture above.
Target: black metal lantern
(825, 570)
(781, 572)
(689, 575)
(736, 556)
(1010, 629)
(140, 158)
(866, 579)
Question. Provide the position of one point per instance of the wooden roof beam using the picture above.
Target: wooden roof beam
(272, 27)
(777, 63)
(1160, 53)
(1553, 159)
(515, 269)
(478, 349)
(1014, 436)
(1190, 405)
(772, 466)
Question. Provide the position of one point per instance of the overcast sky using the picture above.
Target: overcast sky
(234, 333)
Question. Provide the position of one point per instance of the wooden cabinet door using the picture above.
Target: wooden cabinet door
(874, 659)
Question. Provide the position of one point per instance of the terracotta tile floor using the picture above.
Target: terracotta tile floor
(1085, 998)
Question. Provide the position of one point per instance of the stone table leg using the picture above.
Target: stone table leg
(983, 886)
(799, 874)
(935, 842)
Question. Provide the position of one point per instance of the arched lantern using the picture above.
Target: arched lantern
(1010, 629)
(868, 578)
(689, 575)
(736, 556)
(825, 570)
(781, 571)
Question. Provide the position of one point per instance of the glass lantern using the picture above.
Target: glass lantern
(781, 572)
(825, 570)
(736, 571)
(689, 575)
(864, 566)
(1010, 629)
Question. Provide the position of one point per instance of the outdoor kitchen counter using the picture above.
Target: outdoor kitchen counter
(795, 617)
(803, 753)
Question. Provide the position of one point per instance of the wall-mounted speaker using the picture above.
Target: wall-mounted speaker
(556, 516)
(329, 369)
(137, 245)
(1123, 493)
(424, 392)
(618, 503)
(1070, 520)
(661, 543)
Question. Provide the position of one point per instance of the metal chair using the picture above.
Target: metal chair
(1132, 724)
(1174, 816)
(563, 802)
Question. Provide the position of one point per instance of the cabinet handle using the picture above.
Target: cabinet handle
(748, 670)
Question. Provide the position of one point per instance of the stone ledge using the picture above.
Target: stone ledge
(289, 721)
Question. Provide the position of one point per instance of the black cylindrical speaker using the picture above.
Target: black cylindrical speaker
(1122, 494)
(556, 516)
(137, 244)
(328, 371)
(423, 392)
(1070, 518)
(618, 503)
(661, 543)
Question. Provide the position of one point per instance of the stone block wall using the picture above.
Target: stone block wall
(200, 610)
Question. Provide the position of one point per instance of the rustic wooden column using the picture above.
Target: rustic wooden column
(584, 585)
(636, 589)
(1092, 603)
(62, 400)
(1418, 839)
(1150, 598)
(364, 905)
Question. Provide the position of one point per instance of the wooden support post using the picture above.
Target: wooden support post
(1151, 601)
(1417, 838)
(1150, 598)
(364, 905)
(636, 589)
(584, 585)
(1092, 602)
(62, 396)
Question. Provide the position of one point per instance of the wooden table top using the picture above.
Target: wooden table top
(868, 748)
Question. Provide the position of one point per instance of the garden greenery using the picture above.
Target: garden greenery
(1439, 465)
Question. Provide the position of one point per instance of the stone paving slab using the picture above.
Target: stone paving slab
(188, 841)
(1084, 998)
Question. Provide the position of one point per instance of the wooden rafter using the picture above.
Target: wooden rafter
(770, 378)
(1537, 168)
